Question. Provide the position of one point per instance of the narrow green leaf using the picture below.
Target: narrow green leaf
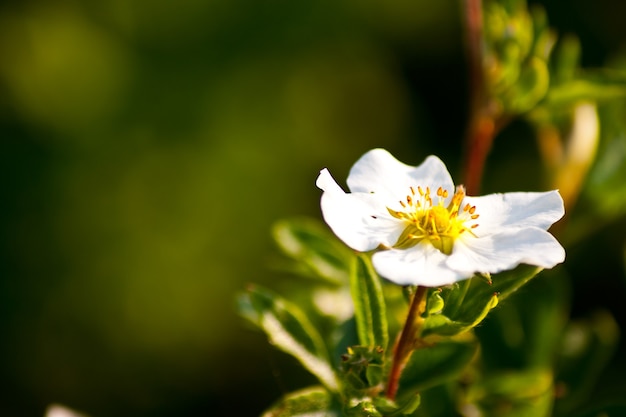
(289, 330)
(308, 402)
(317, 250)
(591, 85)
(434, 365)
(369, 304)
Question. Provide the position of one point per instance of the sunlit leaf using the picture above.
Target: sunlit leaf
(309, 402)
(317, 251)
(369, 304)
(289, 330)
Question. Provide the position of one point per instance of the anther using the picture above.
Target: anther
(472, 209)
(409, 200)
(412, 190)
(474, 216)
(402, 204)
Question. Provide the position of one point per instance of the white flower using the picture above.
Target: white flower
(431, 234)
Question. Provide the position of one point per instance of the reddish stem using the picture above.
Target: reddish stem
(406, 342)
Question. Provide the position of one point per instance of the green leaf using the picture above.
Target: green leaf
(531, 86)
(369, 304)
(317, 250)
(289, 330)
(592, 85)
(526, 331)
(467, 303)
(442, 325)
(566, 60)
(479, 292)
(390, 408)
(362, 367)
(308, 402)
(526, 393)
(433, 365)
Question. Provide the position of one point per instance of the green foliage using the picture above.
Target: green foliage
(446, 352)
(305, 402)
(369, 305)
(315, 252)
(289, 330)
(525, 393)
(467, 303)
(436, 364)
(473, 348)
(362, 367)
(517, 46)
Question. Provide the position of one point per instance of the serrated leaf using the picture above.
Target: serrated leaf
(309, 402)
(317, 251)
(434, 365)
(369, 304)
(289, 330)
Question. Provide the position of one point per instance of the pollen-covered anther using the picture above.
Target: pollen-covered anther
(438, 224)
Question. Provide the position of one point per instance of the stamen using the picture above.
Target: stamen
(434, 223)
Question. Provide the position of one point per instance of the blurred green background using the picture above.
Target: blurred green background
(148, 146)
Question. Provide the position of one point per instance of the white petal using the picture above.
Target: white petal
(357, 219)
(498, 211)
(506, 250)
(380, 172)
(421, 265)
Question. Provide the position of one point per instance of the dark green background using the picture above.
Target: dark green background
(147, 146)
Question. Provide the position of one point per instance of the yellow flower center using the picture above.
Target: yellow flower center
(434, 223)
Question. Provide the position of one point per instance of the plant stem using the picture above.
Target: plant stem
(481, 126)
(406, 342)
